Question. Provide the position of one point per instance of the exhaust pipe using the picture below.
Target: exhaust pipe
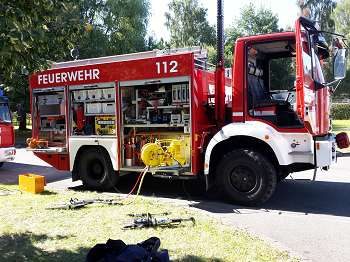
(220, 34)
(220, 69)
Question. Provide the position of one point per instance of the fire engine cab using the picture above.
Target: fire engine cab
(94, 117)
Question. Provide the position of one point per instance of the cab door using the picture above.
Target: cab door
(312, 96)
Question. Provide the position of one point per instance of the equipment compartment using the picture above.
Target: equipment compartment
(152, 114)
(49, 107)
(95, 115)
(155, 104)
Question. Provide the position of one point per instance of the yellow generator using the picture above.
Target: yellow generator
(165, 152)
(105, 125)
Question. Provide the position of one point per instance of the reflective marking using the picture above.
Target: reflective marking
(264, 113)
(237, 113)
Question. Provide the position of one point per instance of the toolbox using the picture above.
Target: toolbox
(31, 183)
(93, 108)
(108, 108)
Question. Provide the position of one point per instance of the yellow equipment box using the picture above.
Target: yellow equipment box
(105, 125)
(31, 183)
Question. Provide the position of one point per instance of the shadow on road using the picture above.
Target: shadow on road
(158, 187)
(317, 197)
(302, 196)
(10, 171)
(340, 154)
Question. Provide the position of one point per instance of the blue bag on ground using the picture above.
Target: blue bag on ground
(118, 251)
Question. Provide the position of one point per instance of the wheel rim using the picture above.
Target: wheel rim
(96, 169)
(244, 180)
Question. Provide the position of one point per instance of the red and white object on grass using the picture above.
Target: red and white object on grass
(342, 140)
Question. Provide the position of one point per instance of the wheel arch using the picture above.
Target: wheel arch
(254, 134)
(239, 142)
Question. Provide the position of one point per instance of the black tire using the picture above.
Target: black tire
(1, 164)
(246, 177)
(95, 169)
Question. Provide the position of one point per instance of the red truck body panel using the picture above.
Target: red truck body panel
(138, 69)
(115, 71)
(7, 135)
(312, 105)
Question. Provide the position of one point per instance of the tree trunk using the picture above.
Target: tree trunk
(22, 116)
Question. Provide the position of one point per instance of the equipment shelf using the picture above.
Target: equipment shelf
(168, 107)
(52, 129)
(53, 115)
(48, 150)
(94, 101)
(154, 125)
(99, 114)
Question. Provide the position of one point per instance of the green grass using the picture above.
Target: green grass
(341, 126)
(29, 232)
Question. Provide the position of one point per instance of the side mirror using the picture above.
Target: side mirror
(339, 64)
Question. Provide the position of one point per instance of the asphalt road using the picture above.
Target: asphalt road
(309, 219)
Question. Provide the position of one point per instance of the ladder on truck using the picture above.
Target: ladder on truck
(201, 57)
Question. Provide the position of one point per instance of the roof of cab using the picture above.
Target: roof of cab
(267, 37)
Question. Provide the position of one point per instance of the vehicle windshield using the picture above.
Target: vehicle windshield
(5, 115)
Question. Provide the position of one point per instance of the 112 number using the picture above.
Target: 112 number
(165, 67)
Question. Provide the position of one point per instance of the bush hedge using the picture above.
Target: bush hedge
(340, 111)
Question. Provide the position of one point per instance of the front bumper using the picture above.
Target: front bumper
(7, 154)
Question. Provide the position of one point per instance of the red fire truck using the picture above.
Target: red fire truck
(94, 116)
(7, 134)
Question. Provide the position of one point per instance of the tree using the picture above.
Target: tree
(117, 27)
(188, 24)
(31, 33)
(254, 21)
(251, 21)
(153, 43)
(341, 17)
(320, 11)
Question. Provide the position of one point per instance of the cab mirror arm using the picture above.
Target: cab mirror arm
(319, 85)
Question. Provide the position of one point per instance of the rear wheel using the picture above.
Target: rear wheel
(1, 164)
(95, 169)
(246, 177)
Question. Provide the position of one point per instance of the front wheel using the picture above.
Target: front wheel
(246, 177)
(95, 169)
